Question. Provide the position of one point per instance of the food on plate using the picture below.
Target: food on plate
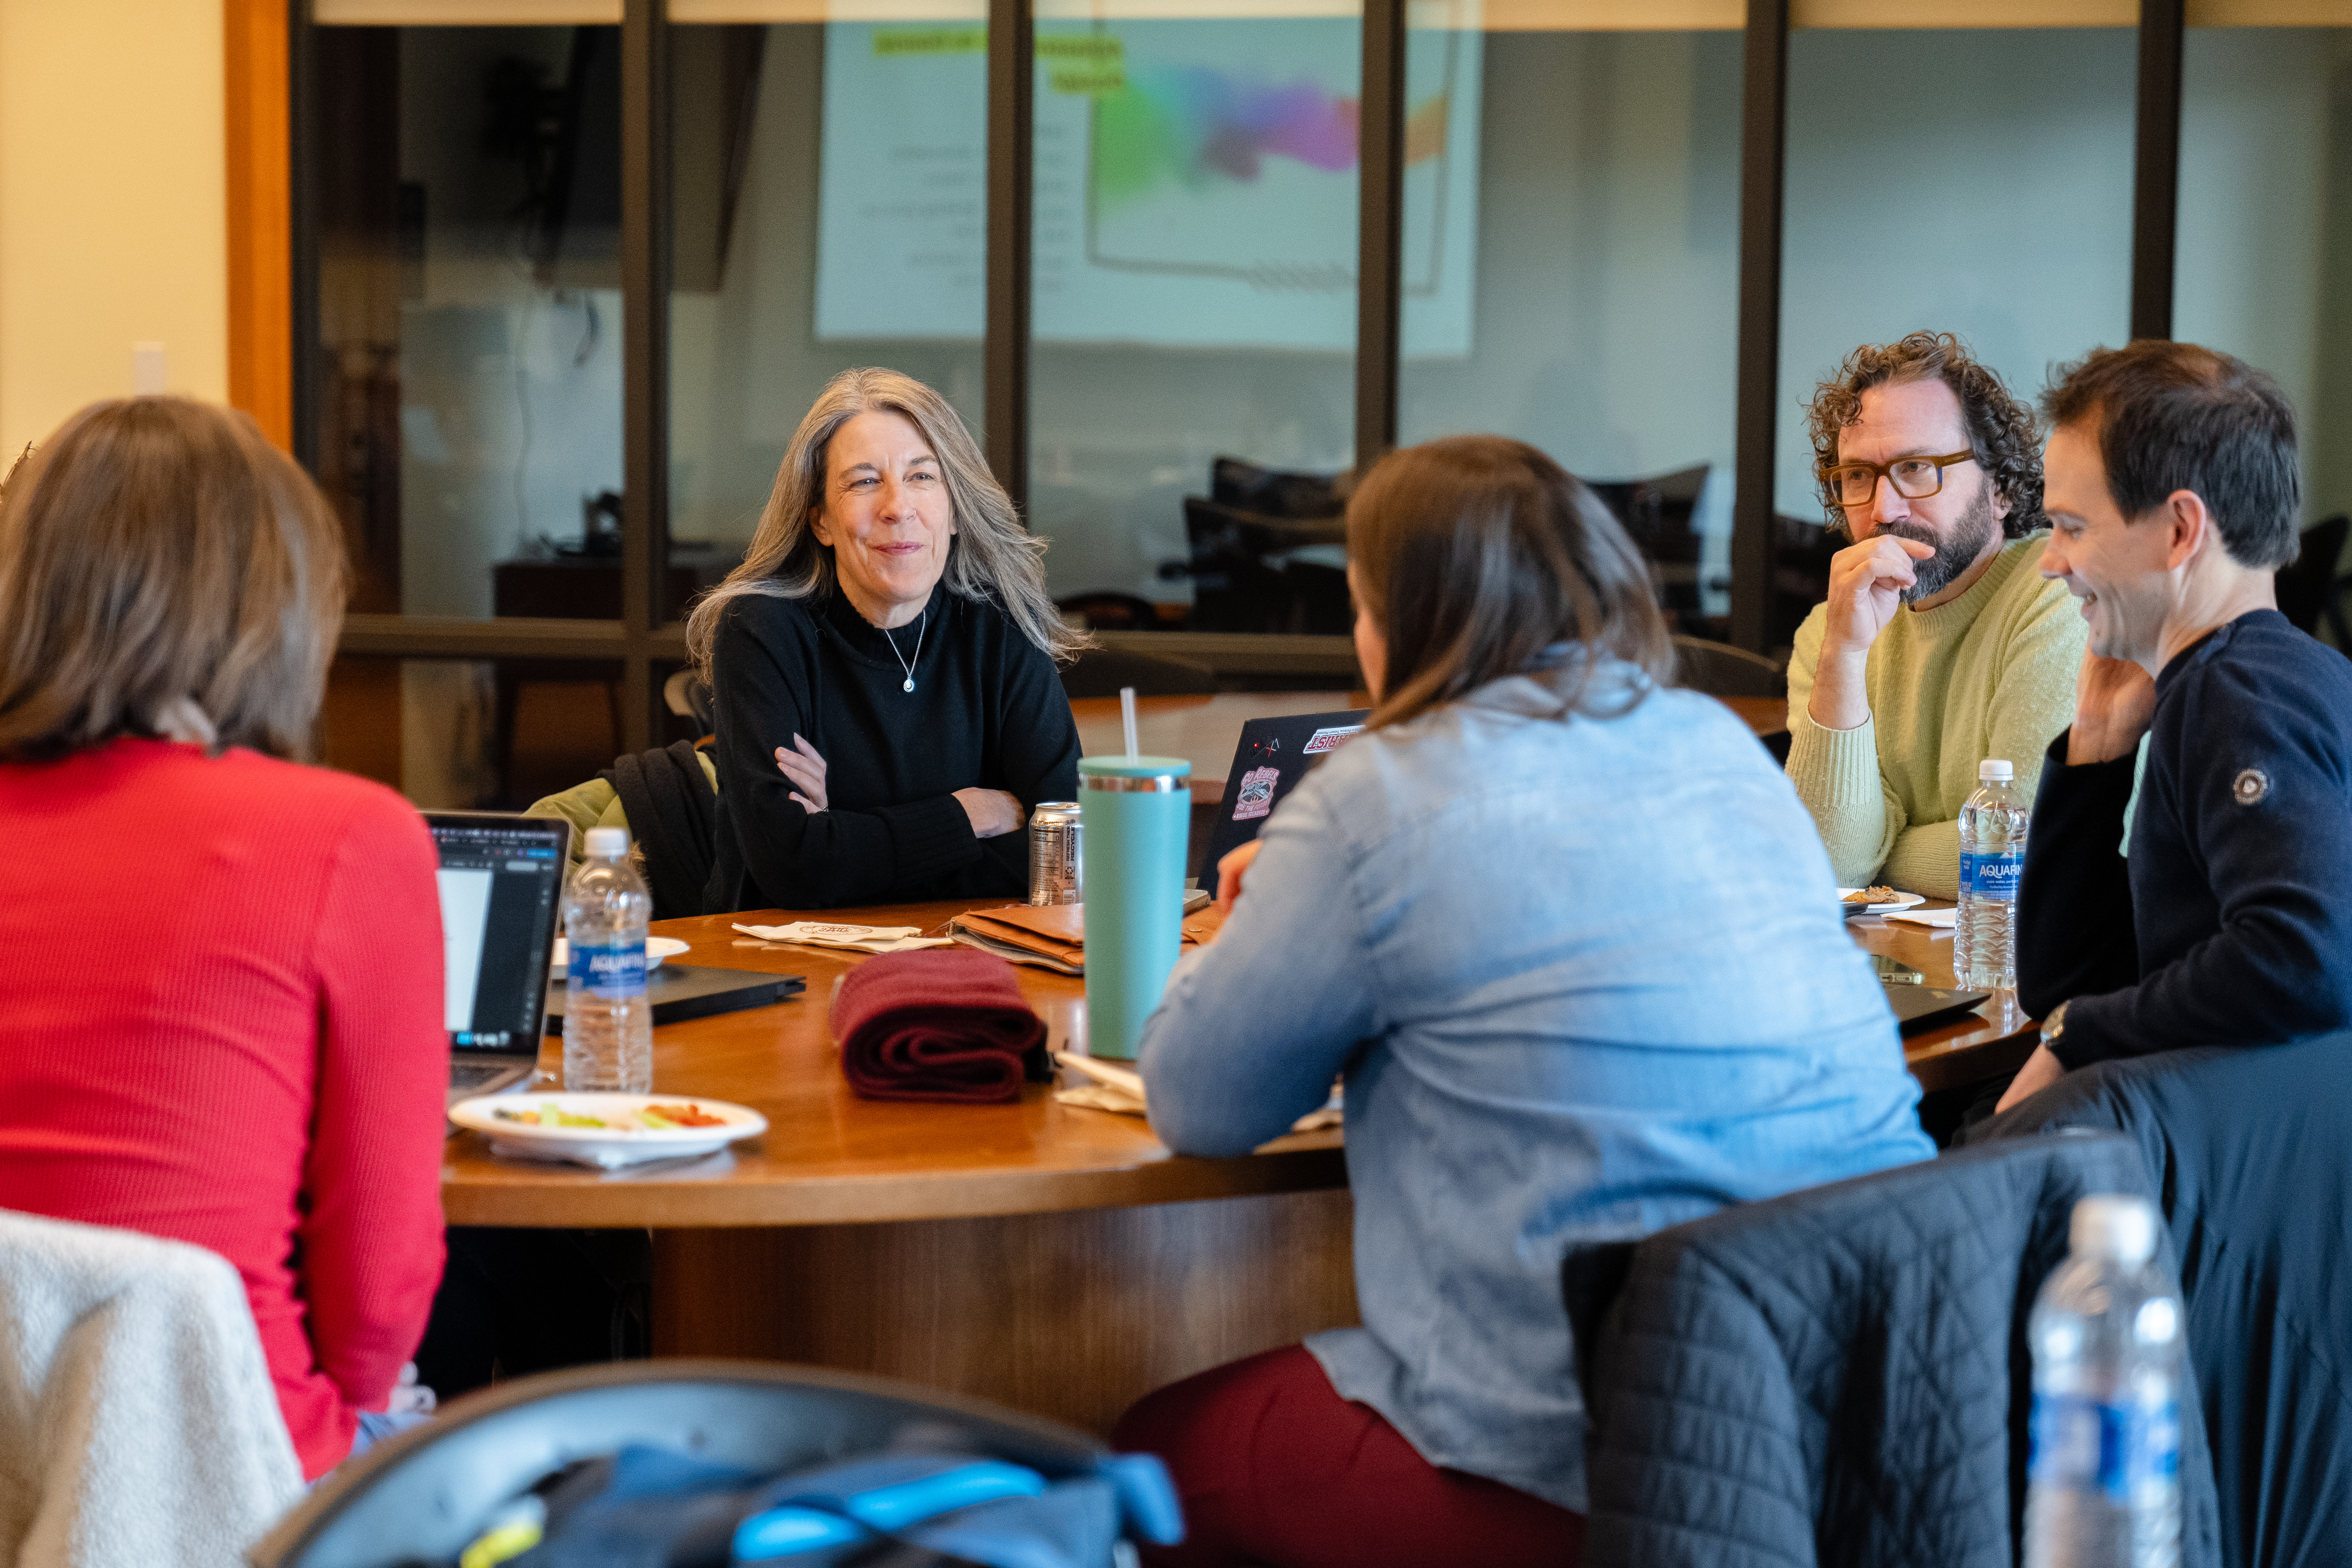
(548, 1116)
(659, 1116)
(662, 1116)
(1873, 896)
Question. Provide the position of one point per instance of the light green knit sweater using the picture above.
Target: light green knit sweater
(1990, 674)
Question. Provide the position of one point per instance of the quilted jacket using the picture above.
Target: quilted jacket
(2250, 1152)
(1840, 1376)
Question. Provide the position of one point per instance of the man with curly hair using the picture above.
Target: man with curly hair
(1939, 644)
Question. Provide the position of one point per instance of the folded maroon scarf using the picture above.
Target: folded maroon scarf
(943, 1023)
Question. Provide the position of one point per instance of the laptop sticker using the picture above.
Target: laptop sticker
(1324, 740)
(1257, 794)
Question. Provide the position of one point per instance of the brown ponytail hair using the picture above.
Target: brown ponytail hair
(1475, 553)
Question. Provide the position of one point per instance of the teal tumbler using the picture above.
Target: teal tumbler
(1137, 814)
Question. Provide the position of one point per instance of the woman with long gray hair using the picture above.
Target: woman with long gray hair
(883, 667)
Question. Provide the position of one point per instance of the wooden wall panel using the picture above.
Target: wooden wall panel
(358, 721)
(1072, 1316)
(260, 216)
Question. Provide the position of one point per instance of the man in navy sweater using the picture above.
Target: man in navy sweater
(2172, 491)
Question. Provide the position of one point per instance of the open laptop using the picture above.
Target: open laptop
(1916, 1004)
(501, 897)
(1273, 755)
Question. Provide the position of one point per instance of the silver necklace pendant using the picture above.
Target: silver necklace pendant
(903, 662)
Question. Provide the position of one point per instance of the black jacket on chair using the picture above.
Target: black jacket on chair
(1840, 1376)
(2253, 1154)
(669, 801)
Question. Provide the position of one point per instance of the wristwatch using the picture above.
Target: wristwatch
(2054, 1026)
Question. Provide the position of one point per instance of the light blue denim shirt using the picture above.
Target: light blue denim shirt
(1586, 979)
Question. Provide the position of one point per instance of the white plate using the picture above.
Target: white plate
(657, 949)
(621, 1140)
(1900, 901)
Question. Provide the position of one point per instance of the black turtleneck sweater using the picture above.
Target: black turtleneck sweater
(987, 712)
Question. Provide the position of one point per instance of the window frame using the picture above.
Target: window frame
(272, 108)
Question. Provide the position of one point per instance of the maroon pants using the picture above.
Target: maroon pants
(1278, 1472)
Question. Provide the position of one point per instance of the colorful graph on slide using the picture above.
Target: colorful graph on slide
(1195, 183)
(1190, 125)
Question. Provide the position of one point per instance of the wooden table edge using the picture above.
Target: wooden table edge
(581, 1199)
(1949, 1064)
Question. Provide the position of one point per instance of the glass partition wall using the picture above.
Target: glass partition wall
(467, 367)
(570, 273)
(1948, 211)
(828, 203)
(1577, 281)
(2265, 236)
(1194, 250)
(469, 315)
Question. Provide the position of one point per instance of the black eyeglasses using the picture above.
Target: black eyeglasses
(1914, 478)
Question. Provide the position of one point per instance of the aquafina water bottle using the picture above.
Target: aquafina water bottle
(1992, 857)
(608, 1020)
(2103, 1474)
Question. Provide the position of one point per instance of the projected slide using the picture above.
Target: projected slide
(465, 914)
(1196, 183)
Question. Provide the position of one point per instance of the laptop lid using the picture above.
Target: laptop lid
(1918, 1005)
(501, 895)
(1272, 756)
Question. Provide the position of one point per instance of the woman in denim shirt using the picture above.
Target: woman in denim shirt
(1574, 945)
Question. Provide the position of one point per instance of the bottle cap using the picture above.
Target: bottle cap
(607, 843)
(1992, 770)
(2113, 1226)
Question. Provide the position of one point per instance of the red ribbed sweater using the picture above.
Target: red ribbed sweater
(220, 1022)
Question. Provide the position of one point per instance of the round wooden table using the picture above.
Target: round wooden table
(1057, 1258)
(1991, 1040)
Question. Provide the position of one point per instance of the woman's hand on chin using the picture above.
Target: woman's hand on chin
(802, 764)
(992, 812)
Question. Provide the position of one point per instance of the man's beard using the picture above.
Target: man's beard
(1955, 549)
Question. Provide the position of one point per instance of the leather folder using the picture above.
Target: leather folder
(1051, 936)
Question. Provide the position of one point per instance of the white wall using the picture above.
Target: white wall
(113, 202)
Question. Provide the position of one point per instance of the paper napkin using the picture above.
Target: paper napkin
(863, 939)
(1120, 1088)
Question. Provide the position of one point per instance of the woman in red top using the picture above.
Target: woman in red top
(220, 1020)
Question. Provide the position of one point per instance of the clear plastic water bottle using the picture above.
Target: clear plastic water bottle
(1992, 856)
(608, 1020)
(2103, 1479)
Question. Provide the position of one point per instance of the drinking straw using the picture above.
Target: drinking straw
(1127, 719)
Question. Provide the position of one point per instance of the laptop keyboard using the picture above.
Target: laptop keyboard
(472, 1075)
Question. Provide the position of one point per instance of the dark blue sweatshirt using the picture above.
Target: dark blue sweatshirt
(2230, 923)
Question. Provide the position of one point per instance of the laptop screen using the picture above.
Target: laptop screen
(502, 892)
(1273, 756)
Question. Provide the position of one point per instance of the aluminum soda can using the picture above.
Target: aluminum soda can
(1056, 853)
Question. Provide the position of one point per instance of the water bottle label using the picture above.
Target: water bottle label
(2081, 1445)
(614, 972)
(1993, 875)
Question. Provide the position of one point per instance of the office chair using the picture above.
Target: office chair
(423, 1495)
